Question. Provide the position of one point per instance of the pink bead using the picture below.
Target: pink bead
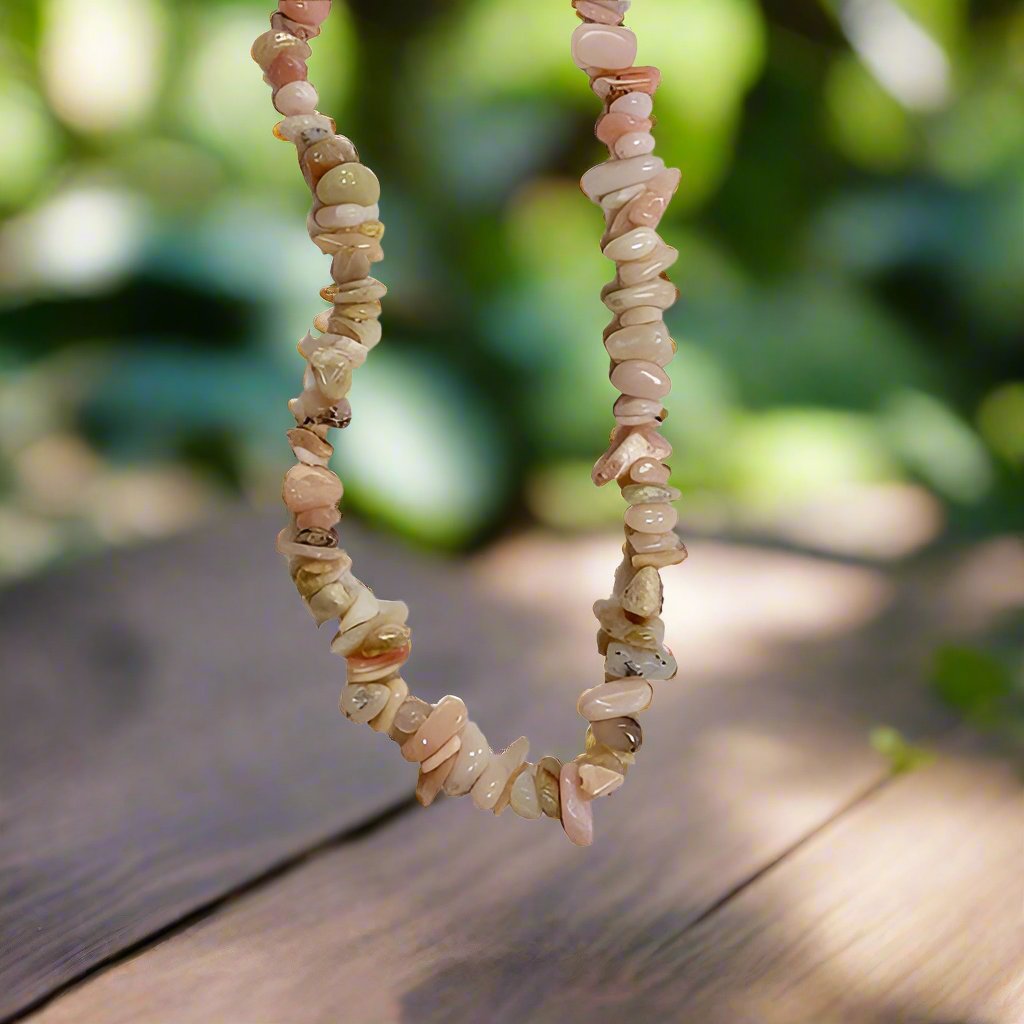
(608, 47)
(641, 378)
(614, 125)
(656, 518)
(309, 12)
(285, 70)
(296, 98)
(577, 811)
(636, 104)
(634, 144)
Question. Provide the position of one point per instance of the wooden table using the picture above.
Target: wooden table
(190, 833)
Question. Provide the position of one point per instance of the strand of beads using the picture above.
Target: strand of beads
(451, 751)
(633, 188)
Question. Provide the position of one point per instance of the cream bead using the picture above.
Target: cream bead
(296, 98)
(618, 174)
(633, 144)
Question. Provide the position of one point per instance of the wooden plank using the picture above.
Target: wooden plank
(169, 730)
(450, 915)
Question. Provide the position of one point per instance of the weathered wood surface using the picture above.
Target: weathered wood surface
(169, 730)
(788, 660)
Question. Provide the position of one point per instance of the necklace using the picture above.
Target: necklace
(633, 188)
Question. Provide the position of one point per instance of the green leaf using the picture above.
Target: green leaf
(902, 756)
(972, 681)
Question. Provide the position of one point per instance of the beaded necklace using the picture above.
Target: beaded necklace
(633, 188)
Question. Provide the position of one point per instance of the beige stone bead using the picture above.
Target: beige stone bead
(447, 719)
(353, 351)
(489, 786)
(448, 750)
(362, 701)
(523, 796)
(641, 315)
(305, 130)
(546, 778)
(351, 637)
(332, 371)
(615, 201)
(649, 493)
(308, 487)
(638, 412)
(399, 692)
(660, 559)
(613, 175)
(331, 244)
(472, 759)
(651, 342)
(329, 602)
(650, 268)
(506, 794)
(643, 596)
(615, 699)
(368, 289)
(633, 245)
(659, 293)
(431, 784)
(597, 781)
(310, 576)
(269, 46)
(345, 215)
(627, 447)
(309, 448)
(603, 757)
(613, 621)
(349, 265)
(361, 612)
(645, 543)
(323, 519)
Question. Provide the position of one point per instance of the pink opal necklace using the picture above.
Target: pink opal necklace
(633, 188)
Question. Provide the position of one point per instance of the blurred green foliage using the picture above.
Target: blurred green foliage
(851, 223)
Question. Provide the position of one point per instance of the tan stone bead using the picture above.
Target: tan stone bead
(523, 795)
(269, 46)
(323, 519)
(363, 669)
(472, 759)
(363, 701)
(399, 692)
(359, 311)
(618, 734)
(311, 577)
(657, 518)
(409, 717)
(643, 596)
(604, 757)
(349, 183)
(368, 289)
(329, 602)
(349, 265)
(385, 639)
(449, 750)
(431, 784)
(646, 494)
(597, 781)
(614, 622)
(649, 471)
(324, 156)
(506, 794)
(332, 371)
(309, 448)
(546, 779)
(660, 559)
(488, 787)
(615, 699)
(447, 718)
(334, 242)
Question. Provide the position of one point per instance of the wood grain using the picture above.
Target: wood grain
(449, 915)
(169, 730)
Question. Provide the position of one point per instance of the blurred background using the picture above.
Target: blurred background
(850, 376)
